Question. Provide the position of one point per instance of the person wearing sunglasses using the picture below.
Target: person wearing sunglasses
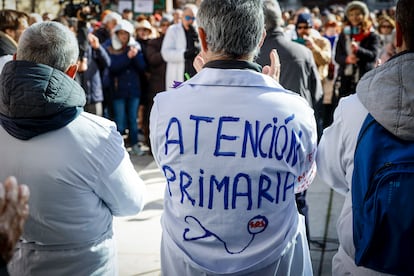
(180, 47)
(320, 46)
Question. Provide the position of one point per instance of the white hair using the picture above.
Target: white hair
(49, 43)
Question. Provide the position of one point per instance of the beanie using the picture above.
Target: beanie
(305, 18)
(357, 5)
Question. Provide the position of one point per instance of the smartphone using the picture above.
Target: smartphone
(300, 40)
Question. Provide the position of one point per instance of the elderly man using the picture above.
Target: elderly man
(232, 172)
(74, 163)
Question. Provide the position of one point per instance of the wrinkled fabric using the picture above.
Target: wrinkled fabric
(223, 210)
(79, 175)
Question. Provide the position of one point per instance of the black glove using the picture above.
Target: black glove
(191, 53)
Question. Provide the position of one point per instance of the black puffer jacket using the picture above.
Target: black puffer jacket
(36, 98)
(30, 90)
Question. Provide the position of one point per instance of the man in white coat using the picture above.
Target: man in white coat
(387, 93)
(74, 163)
(234, 147)
(180, 46)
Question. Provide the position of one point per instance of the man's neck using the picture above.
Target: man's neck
(186, 26)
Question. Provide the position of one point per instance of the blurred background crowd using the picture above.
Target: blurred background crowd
(126, 57)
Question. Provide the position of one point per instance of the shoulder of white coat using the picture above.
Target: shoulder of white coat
(350, 114)
(96, 120)
(90, 124)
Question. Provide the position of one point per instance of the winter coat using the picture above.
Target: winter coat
(78, 172)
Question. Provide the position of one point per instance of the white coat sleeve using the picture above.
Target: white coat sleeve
(331, 167)
(120, 187)
(335, 156)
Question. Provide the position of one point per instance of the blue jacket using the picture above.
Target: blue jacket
(123, 76)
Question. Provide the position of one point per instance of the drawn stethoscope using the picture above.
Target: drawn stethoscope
(255, 226)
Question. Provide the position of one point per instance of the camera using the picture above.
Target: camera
(82, 10)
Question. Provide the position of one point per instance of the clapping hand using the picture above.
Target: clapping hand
(14, 210)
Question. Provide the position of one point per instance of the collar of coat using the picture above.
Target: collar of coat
(233, 64)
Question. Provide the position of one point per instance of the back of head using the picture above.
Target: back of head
(273, 14)
(404, 17)
(233, 28)
(11, 19)
(49, 43)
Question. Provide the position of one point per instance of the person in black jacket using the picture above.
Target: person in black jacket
(299, 72)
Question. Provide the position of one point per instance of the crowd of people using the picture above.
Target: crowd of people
(62, 77)
(345, 41)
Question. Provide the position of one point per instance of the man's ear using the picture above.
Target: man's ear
(71, 71)
(203, 39)
(398, 36)
(263, 38)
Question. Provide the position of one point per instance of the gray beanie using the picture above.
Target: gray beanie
(357, 5)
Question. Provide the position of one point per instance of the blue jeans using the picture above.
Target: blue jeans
(128, 107)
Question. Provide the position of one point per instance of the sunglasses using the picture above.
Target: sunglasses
(303, 27)
(188, 18)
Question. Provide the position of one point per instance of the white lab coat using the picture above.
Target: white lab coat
(172, 51)
(225, 211)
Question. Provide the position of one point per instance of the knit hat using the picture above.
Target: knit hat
(305, 18)
(357, 5)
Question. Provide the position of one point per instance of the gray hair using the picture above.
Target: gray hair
(49, 43)
(233, 28)
(273, 14)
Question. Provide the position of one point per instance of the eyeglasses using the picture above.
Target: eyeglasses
(386, 26)
(188, 17)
